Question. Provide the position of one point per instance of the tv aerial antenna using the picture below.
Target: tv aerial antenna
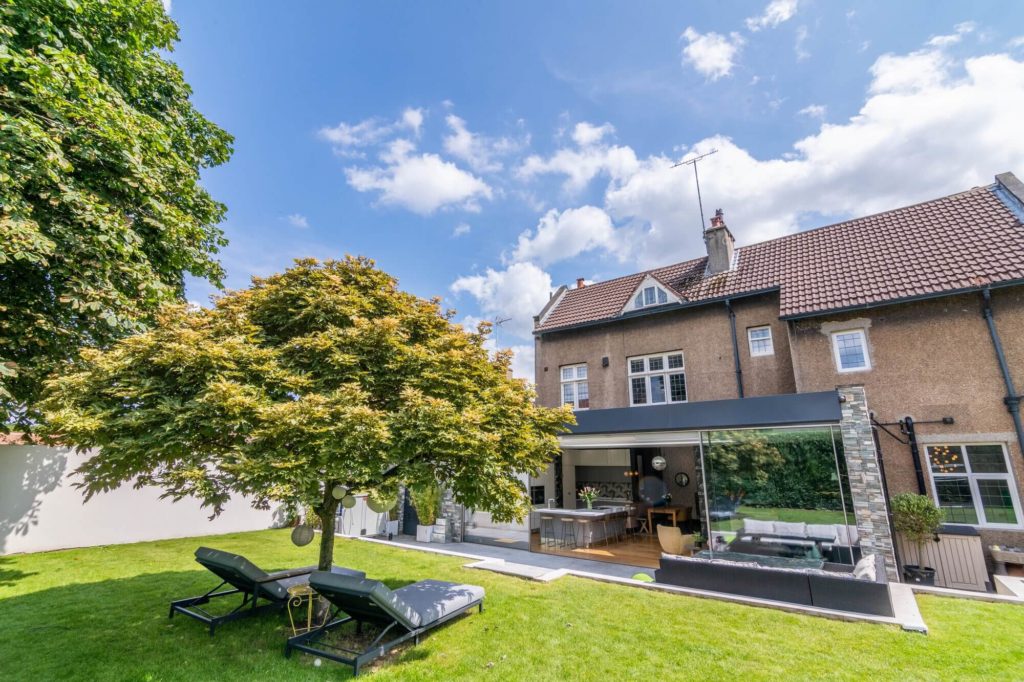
(693, 162)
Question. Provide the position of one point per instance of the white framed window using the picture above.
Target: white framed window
(850, 349)
(760, 341)
(973, 484)
(657, 379)
(648, 296)
(575, 391)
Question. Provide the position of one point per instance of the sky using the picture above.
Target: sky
(489, 152)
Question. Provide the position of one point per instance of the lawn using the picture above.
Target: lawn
(101, 614)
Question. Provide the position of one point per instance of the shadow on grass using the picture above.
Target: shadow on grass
(119, 629)
(10, 575)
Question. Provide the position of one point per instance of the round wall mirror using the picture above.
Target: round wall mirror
(682, 479)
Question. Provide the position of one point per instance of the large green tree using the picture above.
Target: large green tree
(101, 210)
(326, 375)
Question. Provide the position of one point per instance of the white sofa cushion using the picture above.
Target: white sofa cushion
(755, 527)
(865, 568)
(822, 531)
(793, 530)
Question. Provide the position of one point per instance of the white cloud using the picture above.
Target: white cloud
(1016, 42)
(421, 183)
(927, 127)
(298, 220)
(514, 294)
(560, 236)
(776, 12)
(798, 46)
(372, 130)
(580, 166)
(479, 151)
(814, 111)
(167, 6)
(711, 54)
(586, 134)
(461, 229)
(959, 31)
(523, 362)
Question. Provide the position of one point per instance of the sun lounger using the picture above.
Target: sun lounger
(402, 614)
(248, 580)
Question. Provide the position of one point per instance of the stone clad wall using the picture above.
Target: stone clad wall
(869, 504)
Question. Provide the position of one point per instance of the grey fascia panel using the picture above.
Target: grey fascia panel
(775, 410)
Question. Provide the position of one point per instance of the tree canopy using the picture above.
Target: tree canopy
(101, 210)
(324, 375)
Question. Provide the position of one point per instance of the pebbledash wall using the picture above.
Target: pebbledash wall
(41, 510)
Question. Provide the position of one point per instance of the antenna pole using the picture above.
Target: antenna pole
(696, 178)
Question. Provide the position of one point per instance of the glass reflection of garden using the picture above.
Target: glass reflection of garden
(786, 489)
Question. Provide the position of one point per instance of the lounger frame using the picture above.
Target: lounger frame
(357, 659)
(249, 607)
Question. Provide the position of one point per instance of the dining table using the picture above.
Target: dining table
(678, 513)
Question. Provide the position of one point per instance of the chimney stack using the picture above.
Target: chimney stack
(580, 282)
(720, 244)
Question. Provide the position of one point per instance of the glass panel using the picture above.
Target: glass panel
(581, 372)
(658, 389)
(566, 373)
(662, 296)
(639, 301)
(567, 394)
(955, 499)
(639, 386)
(582, 394)
(677, 387)
(996, 501)
(851, 350)
(778, 497)
(636, 366)
(649, 296)
(986, 459)
(675, 361)
(656, 364)
(946, 459)
(759, 333)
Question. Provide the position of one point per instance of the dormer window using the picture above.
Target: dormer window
(649, 296)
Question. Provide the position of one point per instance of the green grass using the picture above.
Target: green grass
(101, 614)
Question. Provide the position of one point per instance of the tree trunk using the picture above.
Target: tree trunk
(327, 517)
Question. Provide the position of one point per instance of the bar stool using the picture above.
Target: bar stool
(604, 524)
(569, 532)
(548, 522)
(644, 528)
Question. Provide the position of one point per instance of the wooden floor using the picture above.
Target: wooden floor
(642, 551)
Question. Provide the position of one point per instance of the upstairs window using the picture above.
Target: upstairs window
(851, 350)
(649, 296)
(973, 485)
(657, 379)
(575, 391)
(760, 341)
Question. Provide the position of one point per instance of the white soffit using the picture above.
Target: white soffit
(630, 440)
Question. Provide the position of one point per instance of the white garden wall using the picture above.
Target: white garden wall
(40, 510)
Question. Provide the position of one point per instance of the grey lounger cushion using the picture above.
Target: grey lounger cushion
(243, 574)
(414, 606)
(434, 599)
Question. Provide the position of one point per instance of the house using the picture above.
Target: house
(896, 338)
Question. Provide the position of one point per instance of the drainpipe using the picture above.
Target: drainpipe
(735, 349)
(1012, 399)
(885, 492)
(915, 451)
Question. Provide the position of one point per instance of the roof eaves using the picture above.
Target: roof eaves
(552, 303)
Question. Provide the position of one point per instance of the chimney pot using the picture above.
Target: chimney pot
(580, 282)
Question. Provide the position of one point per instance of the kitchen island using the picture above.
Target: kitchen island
(601, 524)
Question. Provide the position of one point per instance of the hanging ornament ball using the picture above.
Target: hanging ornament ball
(348, 501)
(381, 506)
(302, 535)
(659, 463)
(338, 492)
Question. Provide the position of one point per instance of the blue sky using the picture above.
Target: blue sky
(488, 152)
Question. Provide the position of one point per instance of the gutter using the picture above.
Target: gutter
(735, 348)
(1012, 399)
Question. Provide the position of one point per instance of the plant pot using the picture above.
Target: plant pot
(590, 504)
(918, 575)
(423, 533)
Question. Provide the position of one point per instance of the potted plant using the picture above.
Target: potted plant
(426, 500)
(698, 541)
(917, 518)
(588, 494)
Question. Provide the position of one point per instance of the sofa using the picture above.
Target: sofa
(835, 543)
(834, 586)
